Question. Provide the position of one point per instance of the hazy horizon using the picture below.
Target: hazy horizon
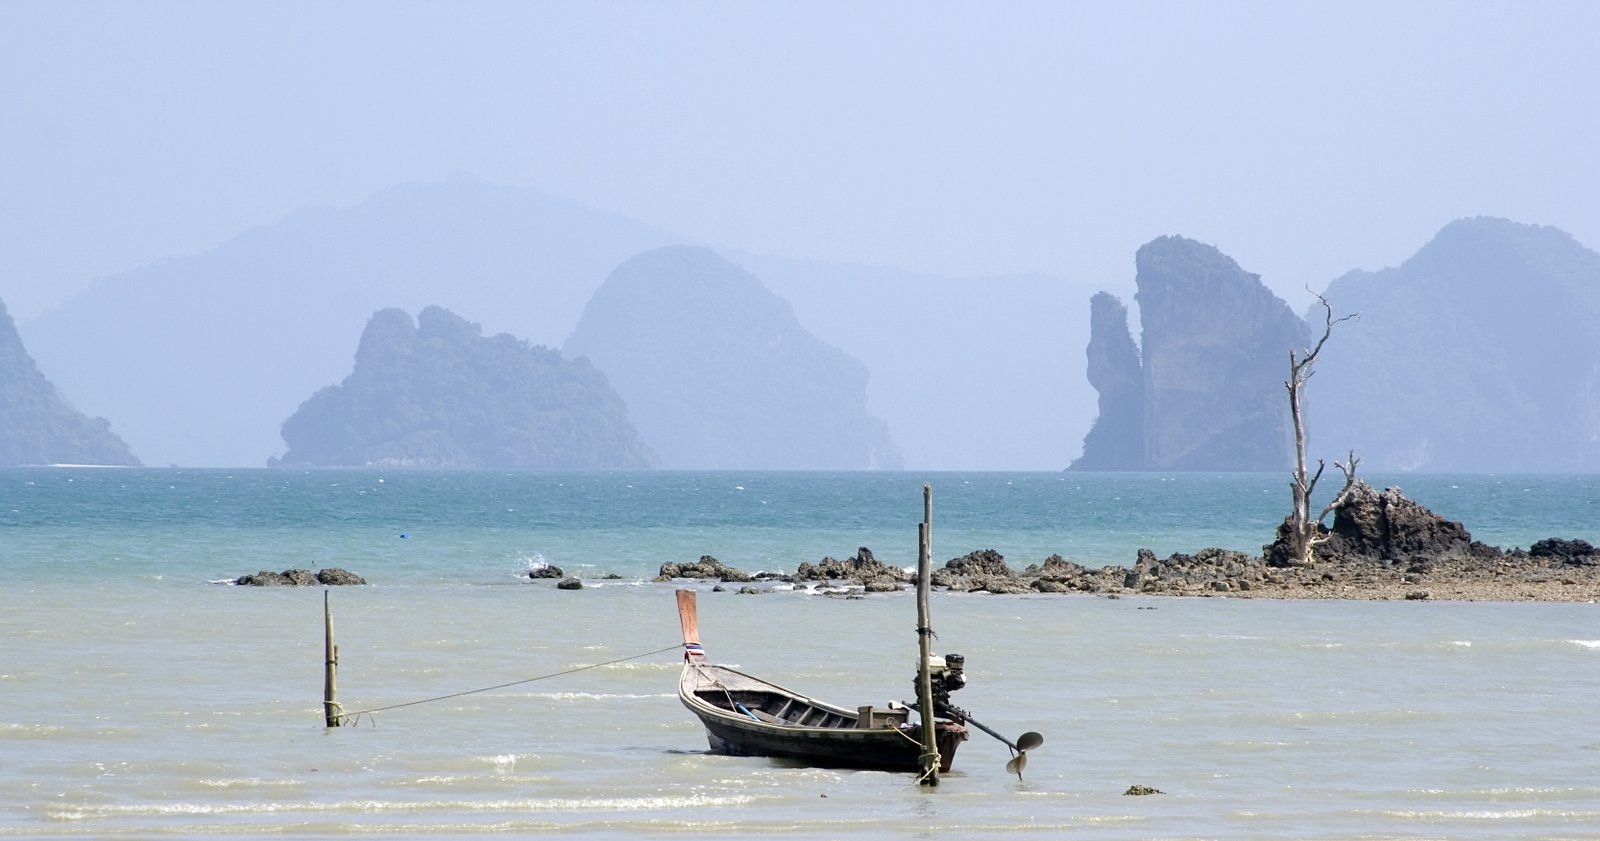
(1044, 139)
(1040, 142)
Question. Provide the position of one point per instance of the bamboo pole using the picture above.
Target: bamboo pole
(330, 700)
(930, 743)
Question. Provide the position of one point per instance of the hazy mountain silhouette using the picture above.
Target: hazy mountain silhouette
(1479, 353)
(969, 373)
(438, 393)
(719, 373)
(200, 358)
(1211, 364)
(37, 426)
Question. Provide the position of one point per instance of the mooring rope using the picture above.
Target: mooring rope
(355, 716)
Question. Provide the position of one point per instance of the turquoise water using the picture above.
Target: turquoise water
(139, 700)
(404, 527)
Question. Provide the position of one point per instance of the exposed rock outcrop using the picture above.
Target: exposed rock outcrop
(1382, 546)
(863, 569)
(1372, 527)
(707, 568)
(331, 577)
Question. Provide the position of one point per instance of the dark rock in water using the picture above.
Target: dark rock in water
(1373, 527)
(750, 591)
(334, 577)
(264, 578)
(569, 584)
(982, 570)
(862, 569)
(1565, 551)
(1209, 570)
(546, 571)
(707, 568)
(1140, 791)
(301, 577)
(1059, 575)
(766, 575)
(983, 562)
(331, 577)
(1392, 527)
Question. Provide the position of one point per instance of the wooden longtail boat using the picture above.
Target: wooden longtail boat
(748, 716)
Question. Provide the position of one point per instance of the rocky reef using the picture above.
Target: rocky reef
(1381, 545)
(331, 577)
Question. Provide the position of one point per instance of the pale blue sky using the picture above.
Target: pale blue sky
(1302, 139)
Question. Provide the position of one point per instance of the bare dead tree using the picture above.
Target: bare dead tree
(1307, 532)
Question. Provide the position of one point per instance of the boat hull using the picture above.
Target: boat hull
(750, 721)
(881, 750)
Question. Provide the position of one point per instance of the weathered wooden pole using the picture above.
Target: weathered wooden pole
(930, 741)
(330, 701)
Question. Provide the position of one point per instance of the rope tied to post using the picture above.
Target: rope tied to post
(354, 717)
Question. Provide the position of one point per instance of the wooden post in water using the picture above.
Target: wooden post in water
(930, 740)
(330, 701)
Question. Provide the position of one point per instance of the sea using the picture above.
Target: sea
(144, 696)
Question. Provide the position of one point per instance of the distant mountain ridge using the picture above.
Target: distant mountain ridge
(213, 351)
(718, 372)
(438, 393)
(37, 426)
(1481, 352)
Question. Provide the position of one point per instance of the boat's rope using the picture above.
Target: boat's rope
(353, 717)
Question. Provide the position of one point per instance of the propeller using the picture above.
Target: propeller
(1026, 742)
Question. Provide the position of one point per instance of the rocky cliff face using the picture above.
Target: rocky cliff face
(718, 372)
(1116, 440)
(37, 426)
(1214, 347)
(437, 393)
(1479, 353)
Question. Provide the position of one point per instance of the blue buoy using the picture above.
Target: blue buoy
(403, 536)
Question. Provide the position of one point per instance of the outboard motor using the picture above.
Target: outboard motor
(947, 674)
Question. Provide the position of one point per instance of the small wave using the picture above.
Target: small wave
(652, 667)
(1490, 814)
(30, 731)
(249, 782)
(597, 696)
(83, 811)
(1585, 643)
